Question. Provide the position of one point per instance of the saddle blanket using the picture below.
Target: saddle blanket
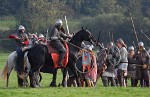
(55, 57)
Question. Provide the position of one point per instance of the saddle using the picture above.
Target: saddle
(51, 49)
(55, 55)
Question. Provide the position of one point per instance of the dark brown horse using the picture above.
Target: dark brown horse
(38, 57)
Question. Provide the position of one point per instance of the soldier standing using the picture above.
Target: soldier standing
(108, 75)
(143, 62)
(122, 66)
(131, 66)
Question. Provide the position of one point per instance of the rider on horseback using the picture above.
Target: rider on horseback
(22, 43)
(21, 39)
(57, 36)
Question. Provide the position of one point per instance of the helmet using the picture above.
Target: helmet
(41, 36)
(83, 44)
(141, 44)
(131, 48)
(110, 44)
(120, 41)
(58, 22)
(21, 27)
(89, 47)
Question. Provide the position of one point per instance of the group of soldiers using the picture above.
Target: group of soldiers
(133, 65)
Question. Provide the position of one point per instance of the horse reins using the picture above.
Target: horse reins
(78, 47)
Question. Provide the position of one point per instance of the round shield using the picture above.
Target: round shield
(79, 66)
(101, 57)
(114, 55)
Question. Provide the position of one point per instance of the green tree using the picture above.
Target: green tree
(41, 14)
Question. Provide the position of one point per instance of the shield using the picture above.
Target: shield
(114, 56)
(79, 68)
(101, 57)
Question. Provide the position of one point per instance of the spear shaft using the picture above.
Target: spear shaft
(145, 35)
(133, 26)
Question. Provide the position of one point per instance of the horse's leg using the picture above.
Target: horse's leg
(8, 74)
(34, 81)
(20, 82)
(7, 79)
(53, 83)
(36, 75)
(31, 79)
(25, 83)
(75, 74)
(64, 81)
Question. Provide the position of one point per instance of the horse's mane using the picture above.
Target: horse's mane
(76, 35)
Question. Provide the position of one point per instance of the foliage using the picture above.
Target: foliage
(40, 14)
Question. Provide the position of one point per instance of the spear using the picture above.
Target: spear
(67, 26)
(112, 37)
(109, 37)
(133, 25)
(99, 35)
(134, 45)
(46, 35)
(145, 35)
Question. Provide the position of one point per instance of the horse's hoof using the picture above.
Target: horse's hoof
(40, 85)
(64, 85)
(35, 86)
(59, 85)
(53, 85)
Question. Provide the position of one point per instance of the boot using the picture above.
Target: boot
(61, 57)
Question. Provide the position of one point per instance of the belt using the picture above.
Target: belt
(123, 62)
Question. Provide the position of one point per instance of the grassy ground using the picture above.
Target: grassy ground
(46, 91)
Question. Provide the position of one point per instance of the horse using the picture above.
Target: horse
(39, 57)
(11, 61)
(11, 64)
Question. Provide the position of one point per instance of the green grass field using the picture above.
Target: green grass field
(7, 24)
(46, 91)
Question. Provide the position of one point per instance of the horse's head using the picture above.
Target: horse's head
(23, 67)
(86, 35)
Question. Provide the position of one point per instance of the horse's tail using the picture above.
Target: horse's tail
(5, 71)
